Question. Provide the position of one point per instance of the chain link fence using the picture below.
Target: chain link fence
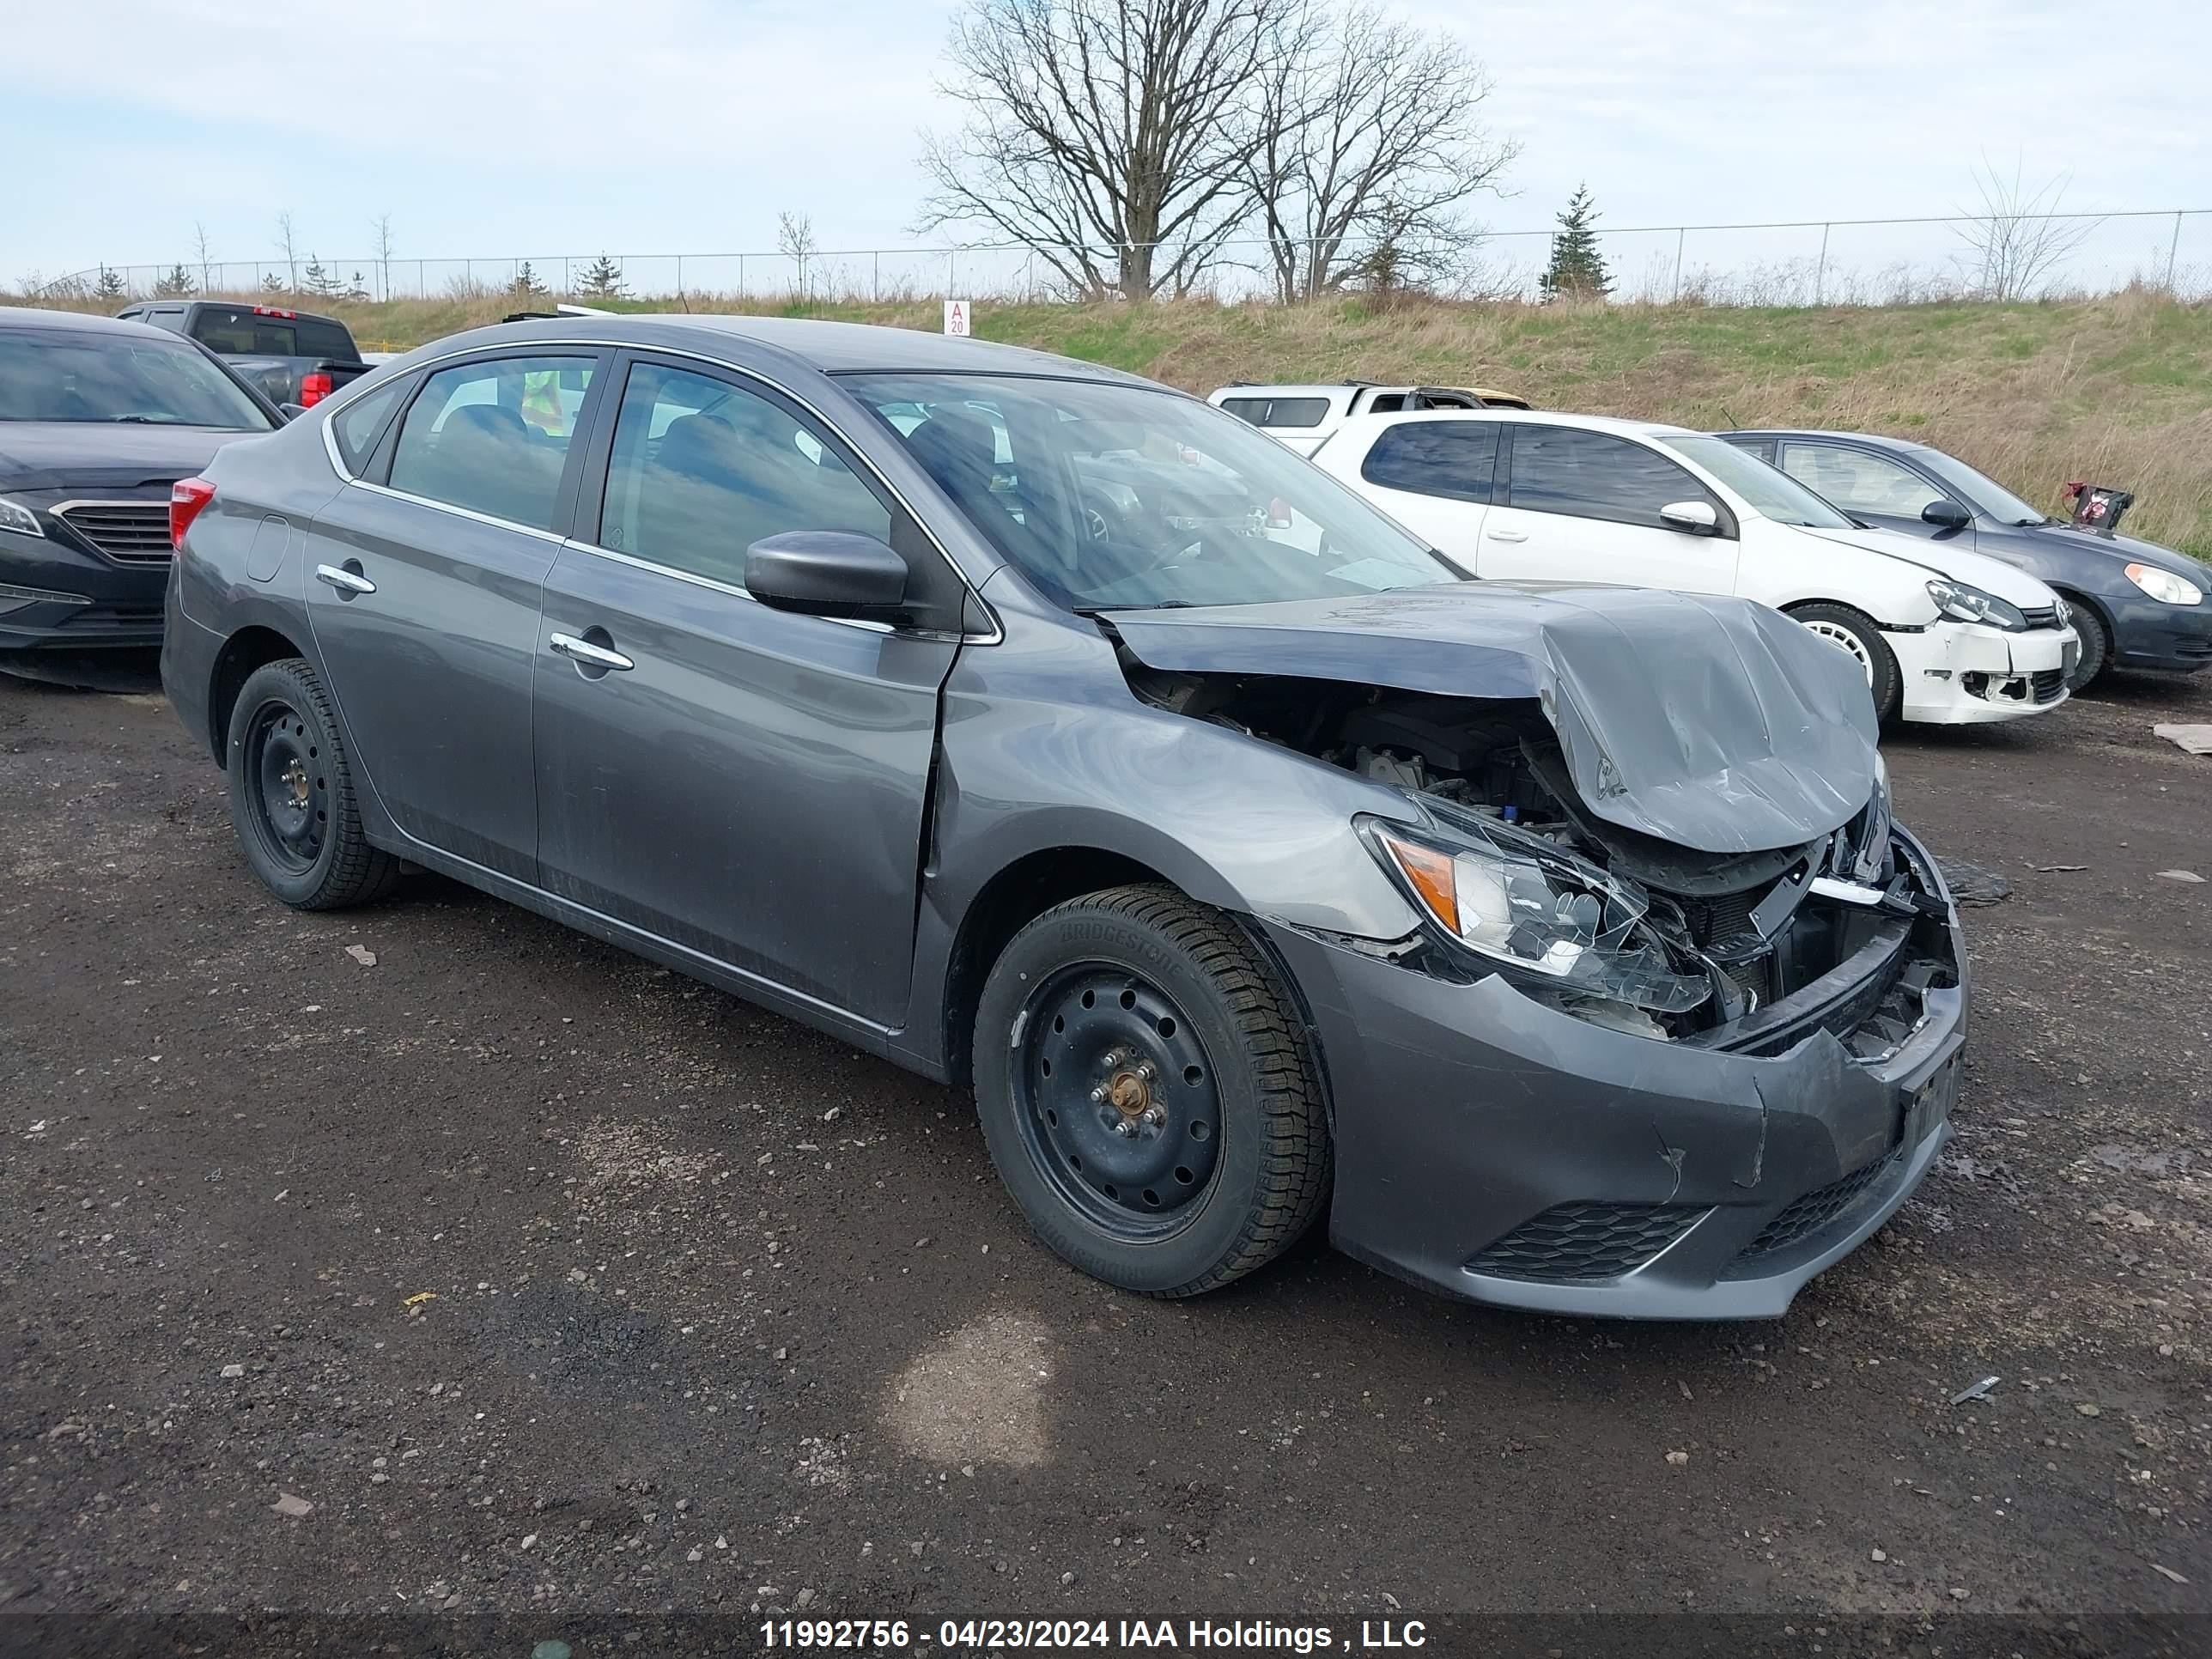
(1804, 262)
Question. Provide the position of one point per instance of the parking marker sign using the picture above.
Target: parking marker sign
(958, 313)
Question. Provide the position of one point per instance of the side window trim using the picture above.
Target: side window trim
(378, 476)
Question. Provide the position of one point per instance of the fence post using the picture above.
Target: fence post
(1820, 270)
(741, 273)
(1681, 231)
(2172, 248)
(875, 281)
(679, 275)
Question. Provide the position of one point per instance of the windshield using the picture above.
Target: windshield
(1120, 497)
(1978, 490)
(93, 378)
(1767, 490)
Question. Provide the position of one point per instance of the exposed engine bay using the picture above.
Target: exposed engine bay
(1519, 876)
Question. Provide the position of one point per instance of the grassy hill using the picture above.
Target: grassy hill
(2116, 390)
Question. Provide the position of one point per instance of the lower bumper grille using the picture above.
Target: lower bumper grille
(1802, 1217)
(129, 532)
(1573, 1243)
(2050, 685)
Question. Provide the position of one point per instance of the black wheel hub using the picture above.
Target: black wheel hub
(1117, 1100)
(290, 790)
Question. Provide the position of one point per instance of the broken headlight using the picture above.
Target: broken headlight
(1961, 603)
(1522, 902)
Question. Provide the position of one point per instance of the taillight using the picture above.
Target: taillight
(186, 498)
(313, 388)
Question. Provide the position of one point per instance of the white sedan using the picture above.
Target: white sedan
(1945, 635)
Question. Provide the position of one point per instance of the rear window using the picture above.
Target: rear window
(1279, 411)
(238, 332)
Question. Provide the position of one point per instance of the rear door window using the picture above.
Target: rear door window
(1454, 459)
(1597, 475)
(320, 339)
(493, 436)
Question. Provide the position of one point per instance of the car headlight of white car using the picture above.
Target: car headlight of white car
(1970, 605)
(2164, 586)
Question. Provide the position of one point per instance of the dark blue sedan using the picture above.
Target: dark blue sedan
(2136, 604)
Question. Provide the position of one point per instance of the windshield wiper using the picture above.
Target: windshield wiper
(146, 419)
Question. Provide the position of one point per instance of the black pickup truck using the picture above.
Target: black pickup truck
(289, 357)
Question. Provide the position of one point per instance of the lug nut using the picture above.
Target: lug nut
(1098, 1094)
(1145, 1070)
(1156, 1116)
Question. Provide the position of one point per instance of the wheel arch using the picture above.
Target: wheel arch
(251, 648)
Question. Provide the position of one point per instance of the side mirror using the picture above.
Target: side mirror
(291, 411)
(1946, 515)
(1695, 518)
(827, 572)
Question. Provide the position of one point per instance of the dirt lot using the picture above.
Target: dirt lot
(554, 1286)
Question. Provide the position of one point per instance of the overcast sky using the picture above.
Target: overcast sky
(494, 127)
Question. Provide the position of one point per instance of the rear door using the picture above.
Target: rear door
(1436, 478)
(1577, 505)
(745, 782)
(1879, 488)
(426, 577)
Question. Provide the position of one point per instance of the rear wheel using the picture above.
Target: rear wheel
(1854, 633)
(1148, 1093)
(291, 794)
(2096, 645)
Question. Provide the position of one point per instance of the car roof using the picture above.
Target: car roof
(1532, 417)
(832, 348)
(81, 322)
(1872, 440)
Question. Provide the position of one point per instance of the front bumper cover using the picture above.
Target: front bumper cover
(1493, 1148)
(56, 596)
(1968, 674)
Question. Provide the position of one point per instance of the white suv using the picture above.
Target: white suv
(1945, 635)
(1303, 417)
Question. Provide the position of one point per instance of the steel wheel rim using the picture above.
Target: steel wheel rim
(1837, 634)
(288, 786)
(1117, 1101)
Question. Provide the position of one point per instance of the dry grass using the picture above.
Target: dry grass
(2116, 389)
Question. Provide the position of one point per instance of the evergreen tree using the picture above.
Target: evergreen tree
(274, 283)
(177, 285)
(357, 289)
(110, 286)
(320, 282)
(604, 279)
(1578, 268)
(525, 285)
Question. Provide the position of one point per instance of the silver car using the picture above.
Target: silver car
(1556, 943)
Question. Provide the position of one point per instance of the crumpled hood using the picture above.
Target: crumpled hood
(1714, 723)
(107, 454)
(1953, 559)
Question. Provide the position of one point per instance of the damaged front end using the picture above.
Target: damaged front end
(1679, 1024)
(1516, 874)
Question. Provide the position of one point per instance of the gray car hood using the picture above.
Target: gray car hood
(1713, 723)
(104, 454)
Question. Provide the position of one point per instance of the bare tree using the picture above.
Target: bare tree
(2017, 240)
(1109, 136)
(1369, 141)
(380, 228)
(200, 246)
(288, 246)
(795, 239)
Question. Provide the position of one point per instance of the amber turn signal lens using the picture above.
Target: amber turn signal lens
(1432, 875)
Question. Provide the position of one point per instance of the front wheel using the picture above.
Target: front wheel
(2096, 646)
(1854, 633)
(291, 794)
(1148, 1093)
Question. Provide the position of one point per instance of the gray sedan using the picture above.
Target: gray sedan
(1055, 735)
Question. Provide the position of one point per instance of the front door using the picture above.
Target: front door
(745, 782)
(423, 595)
(1584, 506)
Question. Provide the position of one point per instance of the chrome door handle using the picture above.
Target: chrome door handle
(583, 650)
(1506, 535)
(344, 581)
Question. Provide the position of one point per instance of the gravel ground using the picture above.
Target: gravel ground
(432, 1260)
